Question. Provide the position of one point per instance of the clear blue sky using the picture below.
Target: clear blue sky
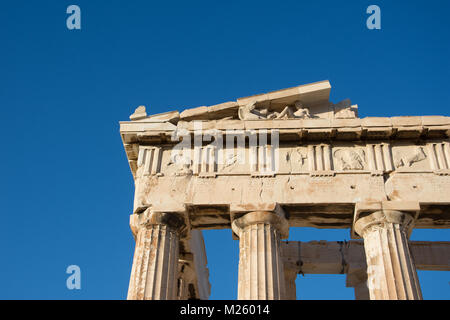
(66, 191)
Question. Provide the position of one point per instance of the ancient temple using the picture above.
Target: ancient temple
(289, 158)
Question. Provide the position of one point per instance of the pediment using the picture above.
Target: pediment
(308, 101)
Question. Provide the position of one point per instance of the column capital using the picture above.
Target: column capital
(261, 272)
(368, 214)
(173, 220)
(275, 218)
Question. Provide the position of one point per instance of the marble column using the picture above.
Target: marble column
(261, 272)
(155, 264)
(391, 270)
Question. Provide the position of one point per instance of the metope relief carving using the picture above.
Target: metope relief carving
(350, 159)
(179, 163)
(296, 158)
(408, 159)
(235, 162)
(230, 162)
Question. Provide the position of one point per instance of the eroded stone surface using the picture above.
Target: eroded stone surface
(290, 151)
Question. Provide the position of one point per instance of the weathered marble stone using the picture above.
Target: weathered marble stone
(391, 270)
(287, 158)
(261, 272)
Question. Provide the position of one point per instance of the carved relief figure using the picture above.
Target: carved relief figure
(299, 156)
(230, 161)
(344, 110)
(181, 164)
(408, 160)
(296, 159)
(350, 159)
(250, 112)
(300, 112)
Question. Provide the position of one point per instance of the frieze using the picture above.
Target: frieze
(319, 159)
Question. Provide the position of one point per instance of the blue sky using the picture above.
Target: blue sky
(66, 191)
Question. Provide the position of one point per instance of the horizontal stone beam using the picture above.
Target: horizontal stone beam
(431, 256)
(336, 257)
(149, 131)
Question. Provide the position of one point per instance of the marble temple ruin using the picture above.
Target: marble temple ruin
(289, 158)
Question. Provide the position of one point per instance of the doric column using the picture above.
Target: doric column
(155, 263)
(391, 270)
(261, 274)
